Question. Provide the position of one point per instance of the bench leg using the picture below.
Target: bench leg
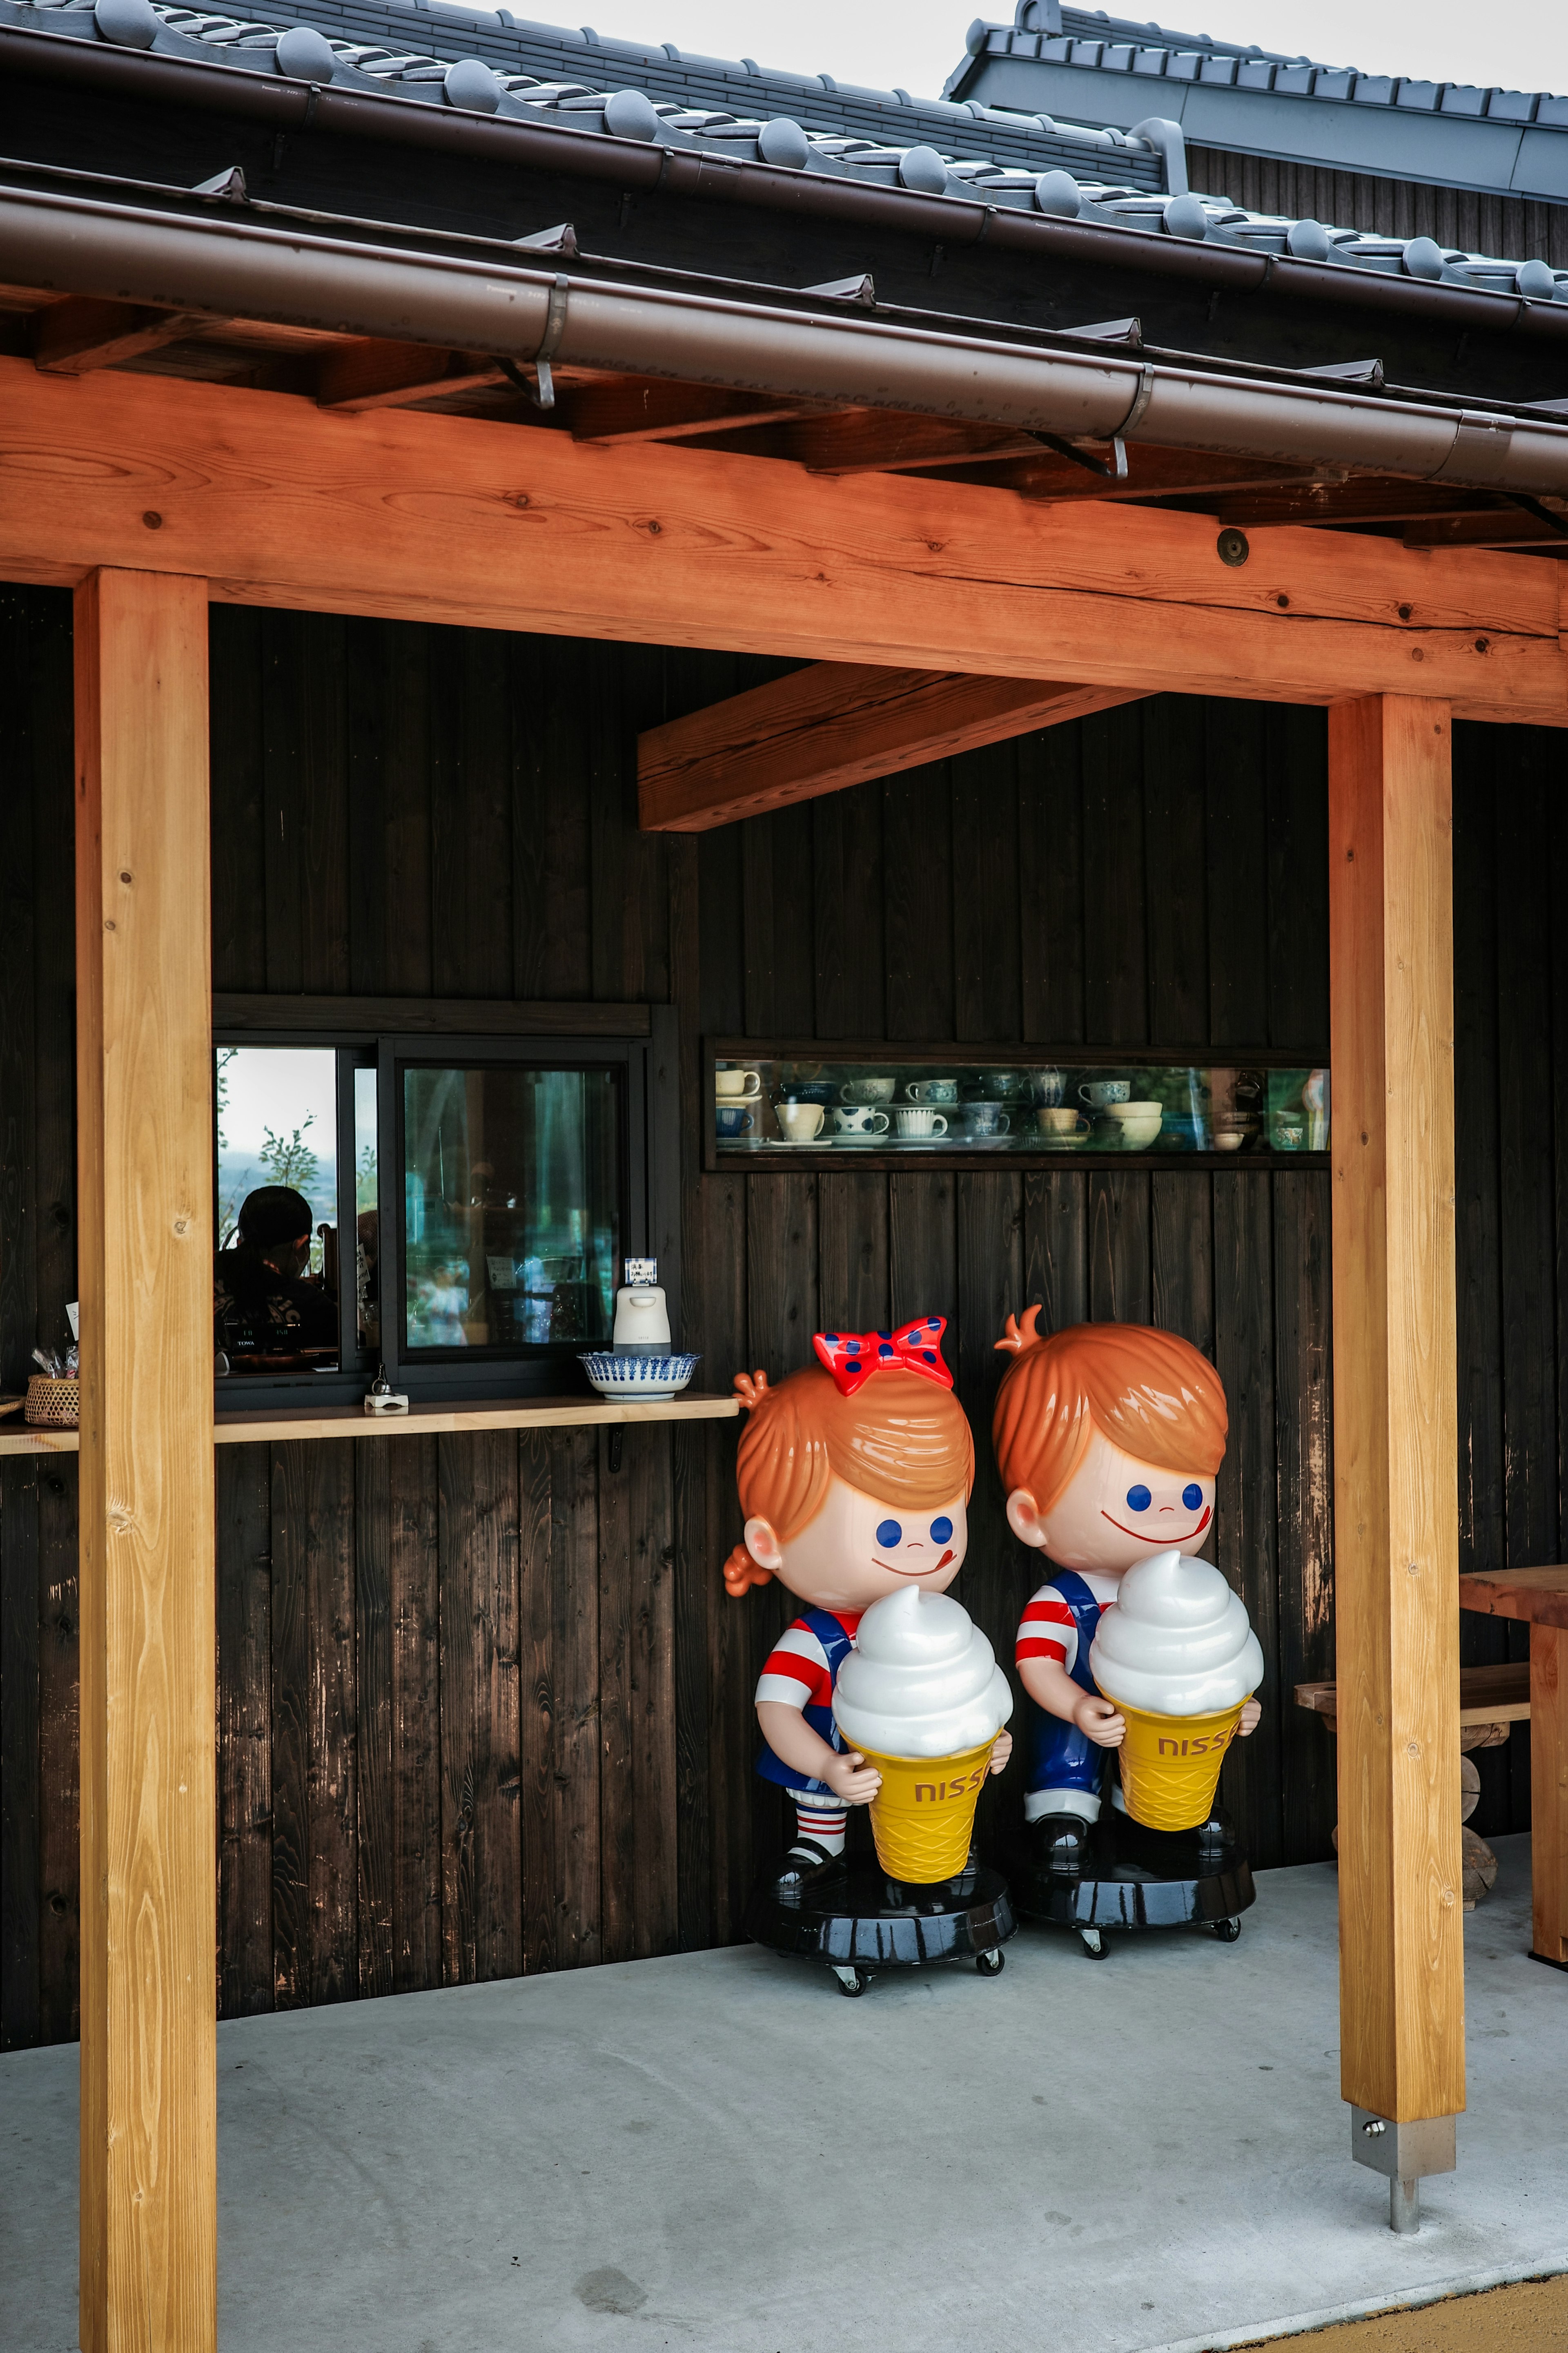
(1549, 1791)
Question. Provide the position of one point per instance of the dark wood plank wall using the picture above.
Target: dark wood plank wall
(483, 1705)
(1511, 228)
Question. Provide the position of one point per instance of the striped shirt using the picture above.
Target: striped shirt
(796, 1672)
(1050, 1629)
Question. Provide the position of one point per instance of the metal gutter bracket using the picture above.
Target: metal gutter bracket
(542, 391)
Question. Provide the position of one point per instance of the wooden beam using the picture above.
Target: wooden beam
(149, 1896)
(513, 526)
(834, 724)
(1549, 1793)
(394, 375)
(1402, 2019)
(653, 408)
(79, 334)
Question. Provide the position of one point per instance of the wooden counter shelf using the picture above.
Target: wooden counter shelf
(351, 1421)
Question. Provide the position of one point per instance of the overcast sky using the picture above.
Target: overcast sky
(1518, 44)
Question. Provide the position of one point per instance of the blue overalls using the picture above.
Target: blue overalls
(837, 1644)
(1060, 1755)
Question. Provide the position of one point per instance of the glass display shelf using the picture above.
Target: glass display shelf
(770, 1105)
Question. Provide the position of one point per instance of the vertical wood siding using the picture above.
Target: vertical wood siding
(483, 1705)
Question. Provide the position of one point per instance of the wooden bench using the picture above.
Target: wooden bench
(1492, 1700)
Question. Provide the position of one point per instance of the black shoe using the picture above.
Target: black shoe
(806, 1866)
(1058, 1843)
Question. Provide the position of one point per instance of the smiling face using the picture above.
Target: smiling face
(856, 1549)
(1115, 1509)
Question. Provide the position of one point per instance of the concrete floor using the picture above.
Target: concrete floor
(719, 2154)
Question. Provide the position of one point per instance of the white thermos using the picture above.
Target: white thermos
(642, 1319)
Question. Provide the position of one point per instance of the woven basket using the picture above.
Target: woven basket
(51, 1404)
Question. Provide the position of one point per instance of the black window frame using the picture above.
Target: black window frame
(642, 1049)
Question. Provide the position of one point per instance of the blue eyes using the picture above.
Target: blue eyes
(1139, 1499)
(890, 1532)
(1192, 1496)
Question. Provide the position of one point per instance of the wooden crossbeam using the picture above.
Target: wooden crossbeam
(831, 725)
(394, 376)
(653, 408)
(510, 526)
(79, 334)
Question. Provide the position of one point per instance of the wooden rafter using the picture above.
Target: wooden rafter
(397, 376)
(652, 408)
(70, 337)
(508, 526)
(829, 726)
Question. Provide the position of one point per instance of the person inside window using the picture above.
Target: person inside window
(270, 1315)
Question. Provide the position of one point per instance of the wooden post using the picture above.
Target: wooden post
(1395, 1412)
(1549, 1792)
(148, 2174)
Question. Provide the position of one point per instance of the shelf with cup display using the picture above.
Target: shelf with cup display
(787, 1103)
(278, 1424)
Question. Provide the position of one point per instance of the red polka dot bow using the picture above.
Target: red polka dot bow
(853, 1356)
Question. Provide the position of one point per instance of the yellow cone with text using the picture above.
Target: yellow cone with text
(1170, 1765)
(923, 1818)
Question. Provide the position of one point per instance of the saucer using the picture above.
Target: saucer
(802, 1143)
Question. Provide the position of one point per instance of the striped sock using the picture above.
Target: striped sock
(825, 1824)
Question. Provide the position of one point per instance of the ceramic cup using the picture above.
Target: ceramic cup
(743, 1086)
(910, 1119)
(1057, 1122)
(1288, 1135)
(730, 1120)
(1000, 1085)
(867, 1091)
(1228, 1139)
(800, 1122)
(858, 1119)
(1049, 1088)
(932, 1090)
(986, 1119)
(1137, 1134)
(1103, 1092)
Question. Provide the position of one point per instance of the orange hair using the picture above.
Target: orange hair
(1151, 1393)
(899, 1437)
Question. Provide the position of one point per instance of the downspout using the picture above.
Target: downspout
(70, 245)
(284, 105)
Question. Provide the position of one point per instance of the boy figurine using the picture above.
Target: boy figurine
(1108, 1437)
(853, 1475)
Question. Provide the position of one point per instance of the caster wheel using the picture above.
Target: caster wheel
(1228, 1931)
(992, 1963)
(851, 1982)
(1094, 1944)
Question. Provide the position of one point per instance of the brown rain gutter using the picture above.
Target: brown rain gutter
(287, 106)
(229, 267)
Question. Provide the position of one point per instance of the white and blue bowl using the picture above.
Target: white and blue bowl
(638, 1377)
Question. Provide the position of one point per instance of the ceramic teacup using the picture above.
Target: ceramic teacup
(800, 1122)
(1228, 1139)
(1001, 1084)
(1103, 1092)
(913, 1119)
(859, 1119)
(1049, 1088)
(730, 1120)
(1288, 1135)
(986, 1119)
(867, 1091)
(742, 1085)
(1058, 1123)
(932, 1090)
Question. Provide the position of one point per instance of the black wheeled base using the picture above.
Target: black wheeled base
(1135, 1878)
(858, 1922)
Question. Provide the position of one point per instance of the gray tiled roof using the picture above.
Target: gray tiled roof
(1261, 101)
(1095, 178)
(505, 65)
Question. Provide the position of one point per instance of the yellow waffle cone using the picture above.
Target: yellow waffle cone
(1170, 1765)
(923, 1817)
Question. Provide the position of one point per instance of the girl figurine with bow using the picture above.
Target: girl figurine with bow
(855, 1475)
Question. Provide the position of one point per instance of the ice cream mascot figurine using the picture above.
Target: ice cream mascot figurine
(855, 1474)
(1109, 1438)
